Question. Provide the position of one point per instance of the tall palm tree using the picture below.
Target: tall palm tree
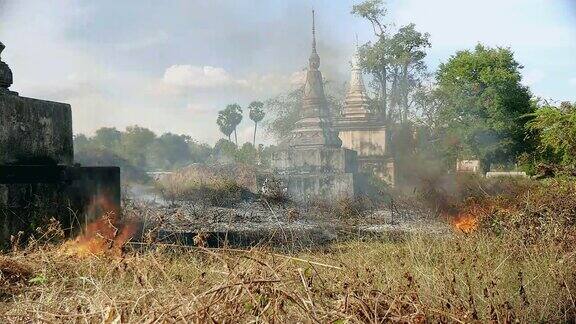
(234, 112)
(256, 114)
(224, 123)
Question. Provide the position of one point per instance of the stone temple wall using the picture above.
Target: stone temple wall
(38, 177)
(309, 160)
(368, 137)
(34, 131)
(369, 142)
(326, 173)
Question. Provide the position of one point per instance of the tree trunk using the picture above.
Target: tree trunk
(405, 92)
(254, 140)
(384, 90)
(385, 80)
(235, 137)
(394, 97)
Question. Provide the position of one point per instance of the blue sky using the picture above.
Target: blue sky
(171, 65)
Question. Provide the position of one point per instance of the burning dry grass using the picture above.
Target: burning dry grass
(455, 279)
(106, 234)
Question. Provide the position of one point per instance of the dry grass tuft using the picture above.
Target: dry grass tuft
(14, 275)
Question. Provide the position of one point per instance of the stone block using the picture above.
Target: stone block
(311, 160)
(367, 142)
(324, 186)
(35, 131)
(72, 195)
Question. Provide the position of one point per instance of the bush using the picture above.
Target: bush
(215, 185)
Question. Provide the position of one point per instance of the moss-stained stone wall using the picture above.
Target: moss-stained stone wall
(368, 142)
(88, 193)
(318, 172)
(34, 131)
(38, 179)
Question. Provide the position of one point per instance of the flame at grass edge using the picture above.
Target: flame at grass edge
(105, 235)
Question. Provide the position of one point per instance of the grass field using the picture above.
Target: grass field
(519, 264)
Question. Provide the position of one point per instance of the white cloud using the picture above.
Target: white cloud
(190, 76)
(209, 81)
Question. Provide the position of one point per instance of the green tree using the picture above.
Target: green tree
(408, 50)
(555, 129)
(108, 137)
(224, 122)
(229, 119)
(81, 143)
(235, 113)
(200, 152)
(376, 57)
(135, 144)
(256, 113)
(247, 154)
(395, 60)
(427, 102)
(225, 151)
(284, 112)
(170, 151)
(484, 105)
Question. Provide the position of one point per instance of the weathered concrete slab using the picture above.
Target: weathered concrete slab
(71, 195)
(323, 159)
(34, 131)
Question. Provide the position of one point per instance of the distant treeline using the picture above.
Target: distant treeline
(138, 149)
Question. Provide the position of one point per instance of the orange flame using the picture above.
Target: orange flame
(468, 219)
(104, 235)
(466, 223)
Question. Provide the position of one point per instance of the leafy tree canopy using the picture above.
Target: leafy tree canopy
(170, 150)
(108, 137)
(555, 129)
(256, 111)
(135, 142)
(224, 122)
(484, 105)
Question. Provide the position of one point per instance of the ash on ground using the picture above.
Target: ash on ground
(287, 224)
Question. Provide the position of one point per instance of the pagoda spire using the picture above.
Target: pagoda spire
(313, 32)
(314, 127)
(357, 101)
(314, 97)
(314, 61)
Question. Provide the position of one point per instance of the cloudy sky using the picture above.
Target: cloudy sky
(171, 65)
